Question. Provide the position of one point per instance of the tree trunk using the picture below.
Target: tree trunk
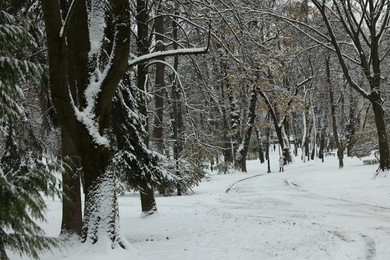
(313, 143)
(177, 107)
(227, 144)
(158, 130)
(384, 162)
(128, 129)
(303, 142)
(101, 213)
(260, 146)
(340, 146)
(322, 145)
(71, 198)
(101, 218)
(352, 123)
(279, 128)
(242, 153)
(148, 202)
(71, 205)
(314, 135)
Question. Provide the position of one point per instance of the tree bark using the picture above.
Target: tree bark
(101, 213)
(148, 202)
(260, 146)
(340, 146)
(322, 144)
(77, 74)
(176, 107)
(235, 124)
(101, 216)
(158, 130)
(352, 123)
(242, 154)
(71, 204)
(227, 144)
(384, 153)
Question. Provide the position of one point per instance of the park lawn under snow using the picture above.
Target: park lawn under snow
(311, 211)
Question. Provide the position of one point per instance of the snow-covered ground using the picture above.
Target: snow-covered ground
(311, 211)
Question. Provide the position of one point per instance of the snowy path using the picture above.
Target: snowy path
(353, 221)
(300, 214)
(349, 230)
(311, 211)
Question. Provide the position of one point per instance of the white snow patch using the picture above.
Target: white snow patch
(311, 211)
(96, 26)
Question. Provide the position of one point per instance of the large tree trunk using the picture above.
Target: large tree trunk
(71, 205)
(71, 198)
(101, 217)
(227, 143)
(177, 107)
(148, 203)
(384, 153)
(158, 130)
(242, 154)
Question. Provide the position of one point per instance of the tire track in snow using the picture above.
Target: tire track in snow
(370, 250)
(370, 247)
(244, 179)
(297, 187)
(343, 237)
(369, 241)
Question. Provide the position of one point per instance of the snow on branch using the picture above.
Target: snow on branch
(65, 26)
(97, 25)
(161, 54)
(326, 43)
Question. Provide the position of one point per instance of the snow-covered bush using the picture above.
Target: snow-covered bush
(24, 181)
(224, 167)
(185, 174)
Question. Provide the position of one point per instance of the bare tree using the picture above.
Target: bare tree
(364, 25)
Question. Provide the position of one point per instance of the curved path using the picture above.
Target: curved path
(357, 230)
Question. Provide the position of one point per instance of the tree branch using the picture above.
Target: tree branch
(65, 26)
(161, 54)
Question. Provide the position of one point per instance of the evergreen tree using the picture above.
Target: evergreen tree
(25, 174)
(24, 181)
(139, 164)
